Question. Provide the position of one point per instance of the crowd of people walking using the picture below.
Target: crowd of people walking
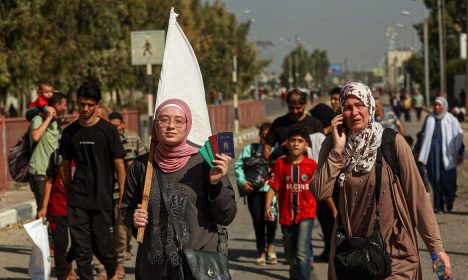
(347, 164)
(366, 182)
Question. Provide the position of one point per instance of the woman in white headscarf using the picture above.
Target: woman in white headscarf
(441, 150)
(346, 165)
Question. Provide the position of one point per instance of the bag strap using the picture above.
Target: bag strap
(378, 180)
(389, 150)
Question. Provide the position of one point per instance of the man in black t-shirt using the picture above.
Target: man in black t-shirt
(279, 130)
(95, 146)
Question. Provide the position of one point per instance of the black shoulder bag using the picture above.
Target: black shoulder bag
(363, 258)
(198, 265)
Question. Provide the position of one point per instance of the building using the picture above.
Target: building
(395, 60)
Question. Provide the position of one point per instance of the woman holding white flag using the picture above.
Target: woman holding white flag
(188, 200)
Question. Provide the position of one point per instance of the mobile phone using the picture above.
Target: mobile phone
(340, 129)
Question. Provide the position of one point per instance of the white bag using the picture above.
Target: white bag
(40, 261)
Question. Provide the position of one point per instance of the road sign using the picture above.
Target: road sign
(335, 69)
(147, 47)
(378, 72)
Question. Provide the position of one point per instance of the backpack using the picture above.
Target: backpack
(255, 169)
(18, 158)
(389, 150)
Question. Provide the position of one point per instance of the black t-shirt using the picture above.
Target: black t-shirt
(94, 149)
(279, 129)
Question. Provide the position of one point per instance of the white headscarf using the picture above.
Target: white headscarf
(442, 101)
(361, 147)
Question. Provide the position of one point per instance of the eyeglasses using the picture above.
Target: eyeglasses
(165, 121)
(350, 107)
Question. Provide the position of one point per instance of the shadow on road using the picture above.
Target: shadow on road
(16, 250)
(22, 270)
(447, 251)
(458, 213)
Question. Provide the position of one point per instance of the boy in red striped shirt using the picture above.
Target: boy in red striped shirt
(297, 206)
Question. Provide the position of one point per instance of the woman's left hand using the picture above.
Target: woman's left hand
(217, 173)
(444, 258)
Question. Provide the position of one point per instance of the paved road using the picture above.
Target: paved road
(15, 246)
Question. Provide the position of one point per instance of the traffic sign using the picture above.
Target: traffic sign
(335, 69)
(147, 47)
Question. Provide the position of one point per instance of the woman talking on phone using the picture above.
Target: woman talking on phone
(379, 209)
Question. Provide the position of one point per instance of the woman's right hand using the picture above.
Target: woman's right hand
(339, 137)
(140, 217)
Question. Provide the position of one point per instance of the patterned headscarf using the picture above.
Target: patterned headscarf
(361, 147)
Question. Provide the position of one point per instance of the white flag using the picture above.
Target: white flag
(181, 78)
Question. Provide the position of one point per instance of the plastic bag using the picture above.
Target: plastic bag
(40, 261)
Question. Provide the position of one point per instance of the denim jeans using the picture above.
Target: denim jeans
(298, 248)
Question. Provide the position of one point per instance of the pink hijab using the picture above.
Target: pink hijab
(172, 158)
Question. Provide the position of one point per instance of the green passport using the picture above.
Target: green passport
(206, 156)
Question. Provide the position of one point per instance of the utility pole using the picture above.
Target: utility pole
(440, 16)
(234, 95)
(426, 59)
(290, 79)
(466, 59)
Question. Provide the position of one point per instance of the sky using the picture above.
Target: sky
(351, 30)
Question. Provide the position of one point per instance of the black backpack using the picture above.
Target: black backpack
(255, 169)
(18, 158)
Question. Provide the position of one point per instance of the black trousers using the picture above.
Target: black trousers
(92, 232)
(326, 221)
(59, 229)
(37, 185)
(418, 113)
(265, 231)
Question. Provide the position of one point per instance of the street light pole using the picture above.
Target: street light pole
(426, 59)
(440, 10)
(234, 96)
(234, 84)
(466, 59)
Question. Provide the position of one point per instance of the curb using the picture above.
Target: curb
(245, 136)
(18, 213)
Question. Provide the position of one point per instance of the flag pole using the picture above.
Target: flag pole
(146, 188)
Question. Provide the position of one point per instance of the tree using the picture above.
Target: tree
(454, 15)
(299, 62)
(67, 42)
(319, 64)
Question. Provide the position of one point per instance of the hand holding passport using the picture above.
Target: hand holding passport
(221, 143)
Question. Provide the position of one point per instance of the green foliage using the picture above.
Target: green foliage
(454, 23)
(415, 67)
(66, 42)
(299, 62)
